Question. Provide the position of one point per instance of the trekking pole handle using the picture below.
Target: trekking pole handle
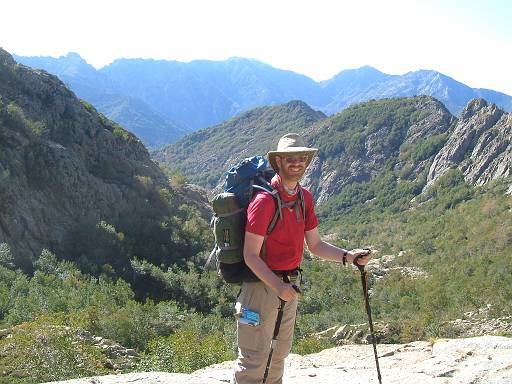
(359, 266)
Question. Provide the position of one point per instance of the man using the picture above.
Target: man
(275, 260)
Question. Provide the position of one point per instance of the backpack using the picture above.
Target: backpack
(230, 213)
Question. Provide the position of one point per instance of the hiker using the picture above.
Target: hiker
(275, 260)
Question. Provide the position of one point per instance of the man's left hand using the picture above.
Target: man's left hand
(360, 256)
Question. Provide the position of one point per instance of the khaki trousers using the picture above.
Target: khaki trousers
(254, 341)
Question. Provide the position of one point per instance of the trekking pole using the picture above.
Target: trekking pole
(274, 338)
(364, 281)
(276, 331)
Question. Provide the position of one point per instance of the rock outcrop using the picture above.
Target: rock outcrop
(480, 322)
(462, 361)
(379, 267)
(480, 145)
(119, 357)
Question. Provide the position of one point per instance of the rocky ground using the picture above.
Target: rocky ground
(485, 359)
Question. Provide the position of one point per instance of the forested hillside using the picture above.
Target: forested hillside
(205, 155)
(71, 178)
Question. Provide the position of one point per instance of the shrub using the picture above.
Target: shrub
(16, 119)
(6, 258)
(120, 132)
(175, 176)
(40, 351)
(311, 344)
(185, 351)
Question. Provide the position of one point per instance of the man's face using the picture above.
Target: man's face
(292, 167)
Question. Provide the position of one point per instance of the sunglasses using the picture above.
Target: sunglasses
(295, 159)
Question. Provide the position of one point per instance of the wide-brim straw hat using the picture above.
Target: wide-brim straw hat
(289, 145)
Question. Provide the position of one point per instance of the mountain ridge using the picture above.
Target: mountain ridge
(418, 135)
(204, 93)
(209, 151)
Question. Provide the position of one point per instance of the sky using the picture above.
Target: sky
(470, 40)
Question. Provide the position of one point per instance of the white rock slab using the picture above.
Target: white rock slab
(486, 359)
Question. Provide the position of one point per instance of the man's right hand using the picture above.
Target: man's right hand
(287, 292)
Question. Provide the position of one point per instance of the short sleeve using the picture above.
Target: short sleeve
(259, 213)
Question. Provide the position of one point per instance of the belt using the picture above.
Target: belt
(293, 276)
(289, 273)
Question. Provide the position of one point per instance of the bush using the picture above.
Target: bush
(40, 352)
(6, 258)
(15, 118)
(311, 344)
(186, 350)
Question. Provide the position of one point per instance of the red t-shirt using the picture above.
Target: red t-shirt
(285, 245)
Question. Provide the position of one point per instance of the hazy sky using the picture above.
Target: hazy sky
(469, 40)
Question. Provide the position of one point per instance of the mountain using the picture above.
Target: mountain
(480, 146)
(418, 136)
(140, 118)
(356, 145)
(154, 129)
(345, 87)
(204, 93)
(70, 178)
(81, 77)
(453, 94)
(195, 94)
(205, 155)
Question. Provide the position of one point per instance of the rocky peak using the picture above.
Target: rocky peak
(73, 64)
(74, 56)
(6, 58)
(473, 107)
(480, 145)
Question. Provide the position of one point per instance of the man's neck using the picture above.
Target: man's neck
(290, 186)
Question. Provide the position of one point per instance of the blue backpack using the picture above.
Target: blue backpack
(242, 181)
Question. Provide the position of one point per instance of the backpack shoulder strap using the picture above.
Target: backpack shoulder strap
(279, 205)
(302, 202)
(278, 214)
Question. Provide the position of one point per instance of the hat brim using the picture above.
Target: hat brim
(310, 152)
